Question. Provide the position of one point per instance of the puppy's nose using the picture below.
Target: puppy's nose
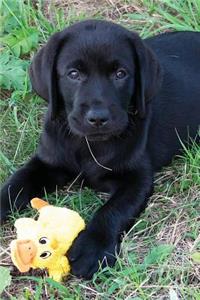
(97, 118)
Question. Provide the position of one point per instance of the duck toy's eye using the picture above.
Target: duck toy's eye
(45, 254)
(43, 240)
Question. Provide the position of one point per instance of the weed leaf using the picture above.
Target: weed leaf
(21, 41)
(196, 257)
(8, 20)
(157, 254)
(5, 278)
(12, 72)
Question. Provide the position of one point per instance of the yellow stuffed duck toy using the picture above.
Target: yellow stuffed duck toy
(43, 243)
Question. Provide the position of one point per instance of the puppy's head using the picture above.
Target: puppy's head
(97, 72)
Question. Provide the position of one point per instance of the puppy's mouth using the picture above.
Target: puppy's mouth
(103, 134)
(98, 137)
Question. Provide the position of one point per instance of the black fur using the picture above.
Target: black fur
(132, 99)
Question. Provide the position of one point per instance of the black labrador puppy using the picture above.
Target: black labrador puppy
(117, 109)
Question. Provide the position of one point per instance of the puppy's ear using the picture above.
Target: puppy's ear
(148, 74)
(43, 72)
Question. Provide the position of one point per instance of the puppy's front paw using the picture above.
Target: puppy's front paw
(89, 252)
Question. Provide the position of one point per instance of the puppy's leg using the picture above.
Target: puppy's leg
(100, 241)
(30, 181)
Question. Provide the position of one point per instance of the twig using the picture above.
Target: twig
(96, 161)
(70, 186)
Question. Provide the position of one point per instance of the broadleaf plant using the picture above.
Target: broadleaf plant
(20, 41)
(5, 278)
(13, 72)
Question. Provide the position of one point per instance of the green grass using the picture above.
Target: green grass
(156, 260)
(153, 17)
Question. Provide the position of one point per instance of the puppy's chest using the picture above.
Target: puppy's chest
(92, 163)
(99, 160)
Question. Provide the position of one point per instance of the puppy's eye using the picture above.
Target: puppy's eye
(43, 240)
(120, 74)
(45, 254)
(74, 74)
